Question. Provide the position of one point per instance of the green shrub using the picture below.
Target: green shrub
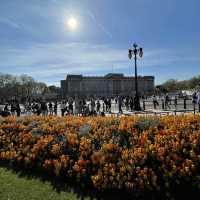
(143, 123)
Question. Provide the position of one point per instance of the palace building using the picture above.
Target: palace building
(112, 84)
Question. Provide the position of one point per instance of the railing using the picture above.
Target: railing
(175, 106)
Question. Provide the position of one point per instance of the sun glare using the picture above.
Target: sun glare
(72, 23)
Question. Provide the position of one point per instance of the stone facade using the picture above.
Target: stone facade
(108, 85)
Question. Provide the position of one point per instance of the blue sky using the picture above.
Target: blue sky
(35, 40)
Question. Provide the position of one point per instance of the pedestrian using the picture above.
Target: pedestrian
(167, 100)
(155, 102)
(55, 108)
(98, 106)
(92, 106)
(80, 107)
(28, 108)
(62, 107)
(198, 100)
(127, 103)
(76, 105)
(5, 111)
(109, 102)
(175, 101)
(194, 99)
(86, 110)
(50, 108)
(6, 108)
(13, 108)
(70, 102)
(18, 110)
(106, 104)
(120, 104)
(38, 108)
(43, 108)
(131, 103)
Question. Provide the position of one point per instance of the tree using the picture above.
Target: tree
(173, 85)
(53, 89)
(19, 86)
(159, 90)
(193, 82)
(170, 85)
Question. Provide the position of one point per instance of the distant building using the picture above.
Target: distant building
(111, 84)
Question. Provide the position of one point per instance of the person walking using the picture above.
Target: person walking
(18, 110)
(76, 106)
(80, 107)
(120, 104)
(155, 102)
(98, 106)
(50, 108)
(127, 103)
(6, 111)
(106, 104)
(175, 102)
(55, 108)
(38, 108)
(194, 99)
(109, 103)
(131, 103)
(198, 100)
(92, 106)
(167, 100)
(62, 107)
(13, 108)
(70, 102)
(44, 109)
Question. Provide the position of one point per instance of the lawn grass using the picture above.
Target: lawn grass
(14, 187)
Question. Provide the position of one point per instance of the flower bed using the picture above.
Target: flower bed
(128, 153)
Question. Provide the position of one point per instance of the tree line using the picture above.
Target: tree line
(23, 86)
(172, 85)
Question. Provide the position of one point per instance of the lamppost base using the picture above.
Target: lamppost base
(137, 106)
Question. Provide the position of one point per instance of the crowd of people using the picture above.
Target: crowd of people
(70, 106)
(88, 106)
(12, 108)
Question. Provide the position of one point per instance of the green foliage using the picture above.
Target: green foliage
(145, 123)
(84, 130)
(20, 86)
(170, 85)
(173, 85)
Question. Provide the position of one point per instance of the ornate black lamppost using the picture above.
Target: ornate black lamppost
(136, 51)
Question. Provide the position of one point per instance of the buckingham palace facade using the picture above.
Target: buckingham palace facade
(112, 84)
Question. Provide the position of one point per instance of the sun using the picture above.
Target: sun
(72, 23)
